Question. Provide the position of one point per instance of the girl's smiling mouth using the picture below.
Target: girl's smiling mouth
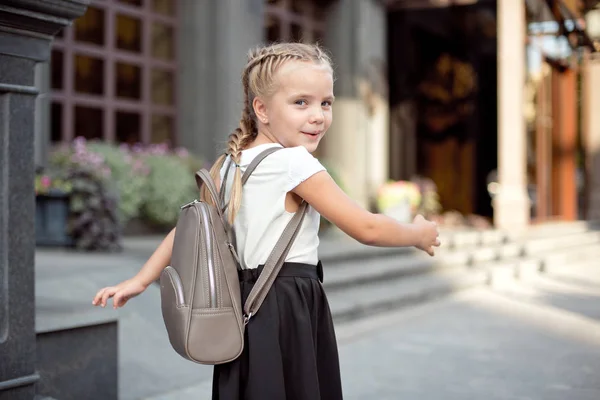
(313, 134)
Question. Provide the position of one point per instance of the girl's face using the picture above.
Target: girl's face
(299, 112)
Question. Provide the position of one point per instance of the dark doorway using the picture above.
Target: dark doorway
(442, 69)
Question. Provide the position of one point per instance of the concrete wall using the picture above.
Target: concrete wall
(357, 142)
(214, 39)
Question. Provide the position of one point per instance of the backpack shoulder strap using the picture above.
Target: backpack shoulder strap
(257, 161)
(274, 263)
(203, 178)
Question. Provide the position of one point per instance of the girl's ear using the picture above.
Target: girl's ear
(260, 109)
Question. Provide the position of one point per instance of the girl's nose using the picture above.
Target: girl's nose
(317, 117)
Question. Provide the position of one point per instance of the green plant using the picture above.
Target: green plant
(93, 213)
(111, 184)
(170, 185)
(51, 182)
(192, 162)
(129, 174)
(93, 221)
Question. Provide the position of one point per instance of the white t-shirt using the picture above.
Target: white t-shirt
(262, 216)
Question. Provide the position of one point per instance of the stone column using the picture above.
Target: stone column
(42, 115)
(511, 204)
(357, 142)
(591, 131)
(214, 39)
(26, 29)
(564, 145)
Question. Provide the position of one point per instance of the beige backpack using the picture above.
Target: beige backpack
(200, 291)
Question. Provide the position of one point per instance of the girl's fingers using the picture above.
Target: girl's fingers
(120, 299)
(124, 300)
(437, 242)
(98, 296)
(117, 299)
(108, 293)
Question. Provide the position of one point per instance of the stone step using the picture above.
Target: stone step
(375, 297)
(356, 288)
(337, 247)
(558, 228)
(562, 260)
(505, 271)
(535, 246)
(340, 274)
(538, 245)
(457, 238)
(343, 249)
(585, 272)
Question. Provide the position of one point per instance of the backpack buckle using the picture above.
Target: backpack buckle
(247, 318)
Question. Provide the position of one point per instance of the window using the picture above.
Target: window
(114, 73)
(294, 20)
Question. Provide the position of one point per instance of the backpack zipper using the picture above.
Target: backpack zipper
(191, 203)
(212, 283)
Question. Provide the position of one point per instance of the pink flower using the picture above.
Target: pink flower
(138, 165)
(182, 152)
(45, 181)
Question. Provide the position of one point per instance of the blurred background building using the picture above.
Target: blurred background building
(487, 98)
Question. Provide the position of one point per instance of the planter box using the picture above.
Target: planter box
(51, 215)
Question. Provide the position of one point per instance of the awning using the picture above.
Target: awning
(566, 13)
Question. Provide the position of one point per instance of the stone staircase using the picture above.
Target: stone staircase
(364, 283)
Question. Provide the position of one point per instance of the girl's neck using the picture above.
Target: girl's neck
(262, 138)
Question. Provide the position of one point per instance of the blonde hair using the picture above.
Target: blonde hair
(258, 80)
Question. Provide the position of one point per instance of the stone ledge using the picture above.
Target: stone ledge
(79, 363)
(54, 314)
(40, 17)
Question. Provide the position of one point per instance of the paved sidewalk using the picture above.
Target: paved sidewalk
(512, 345)
(437, 351)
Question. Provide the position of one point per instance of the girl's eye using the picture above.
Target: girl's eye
(326, 104)
(301, 102)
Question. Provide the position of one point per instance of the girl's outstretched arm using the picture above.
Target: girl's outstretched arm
(322, 193)
(158, 261)
(150, 272)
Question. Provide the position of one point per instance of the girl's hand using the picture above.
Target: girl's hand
(429, 235)
(120, 293)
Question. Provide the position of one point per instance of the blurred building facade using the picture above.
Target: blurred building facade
(458, 91)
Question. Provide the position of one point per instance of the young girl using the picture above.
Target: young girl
(290, 350)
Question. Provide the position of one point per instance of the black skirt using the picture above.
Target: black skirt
(290, 350)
